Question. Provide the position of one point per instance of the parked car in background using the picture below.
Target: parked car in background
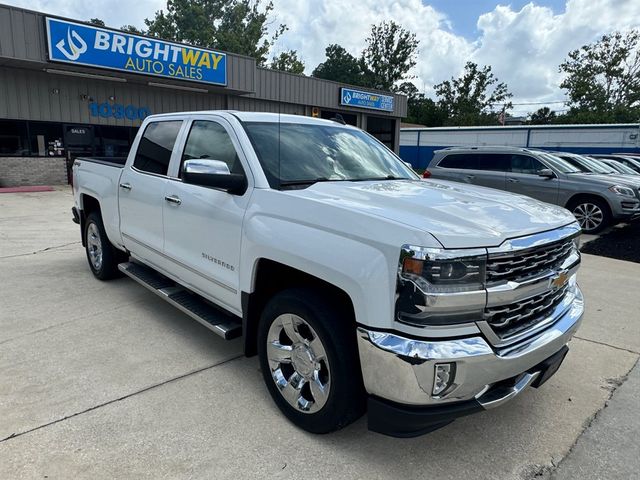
(619, 167)
(592, 165)
(595, 200)
(630, 160)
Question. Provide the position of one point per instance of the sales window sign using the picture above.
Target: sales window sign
(92, 46)
(358, 98)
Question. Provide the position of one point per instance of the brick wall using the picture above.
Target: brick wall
(18, 171)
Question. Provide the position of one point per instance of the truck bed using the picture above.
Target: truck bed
(117, 162)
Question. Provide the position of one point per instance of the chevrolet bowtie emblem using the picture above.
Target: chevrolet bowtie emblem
(559, 281)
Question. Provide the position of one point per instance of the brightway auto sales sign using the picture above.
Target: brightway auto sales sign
(88, 45)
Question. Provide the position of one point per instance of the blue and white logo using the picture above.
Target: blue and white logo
(77, 49)
(359, 98)
(82, 44)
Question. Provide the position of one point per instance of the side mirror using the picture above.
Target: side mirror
(213, 173)
(547, 173)
(408, 165)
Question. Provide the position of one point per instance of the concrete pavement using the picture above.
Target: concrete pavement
(102, 380)
(610, 447)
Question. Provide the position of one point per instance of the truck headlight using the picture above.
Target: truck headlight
(622, 190)
(444, 270)
(439, 286)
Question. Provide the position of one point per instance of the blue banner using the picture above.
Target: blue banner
(81, 44)
(358, 98)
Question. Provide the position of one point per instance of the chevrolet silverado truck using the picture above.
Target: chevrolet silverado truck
(360, 286)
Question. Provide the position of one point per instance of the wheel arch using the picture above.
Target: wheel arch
(88, 205)
(587, 196)
(271, 277)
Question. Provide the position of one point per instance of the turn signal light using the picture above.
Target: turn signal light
(412, 265)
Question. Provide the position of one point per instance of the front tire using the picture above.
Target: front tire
(592, 214)
(102, 256)
(309, 360)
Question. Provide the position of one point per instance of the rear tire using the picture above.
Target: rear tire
(309, 360)
(593, 214)
(102, 256)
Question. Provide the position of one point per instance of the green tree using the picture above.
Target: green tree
(132, 29)
(542, 116)
(97, 22)
(421, 109)
(603, 79)
(341, 66)
(238, 26)
(288, 62)
(471, 99)
(390, 52)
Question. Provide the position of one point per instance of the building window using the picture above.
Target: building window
(13, 138)
(45, 139)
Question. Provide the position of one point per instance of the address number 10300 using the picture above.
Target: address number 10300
(117, 110)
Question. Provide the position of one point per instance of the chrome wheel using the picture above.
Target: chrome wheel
(94, 246)
(298, 363)
(589, 216)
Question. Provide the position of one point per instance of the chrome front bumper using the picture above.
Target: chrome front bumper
(401, 370)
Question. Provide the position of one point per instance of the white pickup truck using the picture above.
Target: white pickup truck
(359, 285)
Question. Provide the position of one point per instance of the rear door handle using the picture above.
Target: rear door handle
(126, 186)
(173, 199)
(514, 180)
(470, 177)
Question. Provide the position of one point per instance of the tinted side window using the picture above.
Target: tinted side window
(156, 145)
(211, 141)
(466, 161)
(495, 162)
(525, 164)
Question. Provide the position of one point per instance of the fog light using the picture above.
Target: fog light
(443, 377)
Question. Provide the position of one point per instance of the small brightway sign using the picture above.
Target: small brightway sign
(358, 98)
(88, 45)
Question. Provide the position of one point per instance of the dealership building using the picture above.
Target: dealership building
(71, 89)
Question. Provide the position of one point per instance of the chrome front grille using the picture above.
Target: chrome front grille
(512, 266)
(511, 319)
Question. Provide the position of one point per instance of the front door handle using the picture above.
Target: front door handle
(513, 180)
(126, 186)
(173, 199)
(470, 177)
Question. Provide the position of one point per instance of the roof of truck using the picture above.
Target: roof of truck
(254, 117)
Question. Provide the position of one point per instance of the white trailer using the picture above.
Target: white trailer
(418, 144)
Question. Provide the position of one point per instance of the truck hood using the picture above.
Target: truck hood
(457, 216)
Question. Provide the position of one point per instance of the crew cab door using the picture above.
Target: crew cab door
(203, 225)
(524, 179)
(141, 191)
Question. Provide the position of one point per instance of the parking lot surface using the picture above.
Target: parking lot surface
(102, 380)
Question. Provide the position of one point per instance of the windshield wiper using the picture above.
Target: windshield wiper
(373, 179)
(310, 181)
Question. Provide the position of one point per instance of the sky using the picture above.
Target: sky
(523, 41)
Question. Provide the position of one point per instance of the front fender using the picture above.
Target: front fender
(361, 270)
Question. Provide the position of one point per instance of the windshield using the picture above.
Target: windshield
(633, 162)
(596, 166)
(299, 154)
(620, 167)
(559, 164)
